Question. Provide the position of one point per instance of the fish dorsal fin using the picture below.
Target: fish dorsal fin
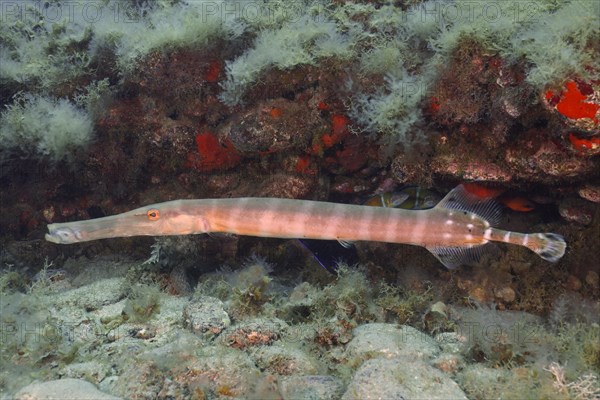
(460, 199)
(453, 257)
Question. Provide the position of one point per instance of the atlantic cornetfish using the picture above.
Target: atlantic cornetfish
(454, 230)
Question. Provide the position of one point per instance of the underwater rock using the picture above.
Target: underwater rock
(590, 193)
(260, 331)
(62, 389)
(449, 363)
(388, 340)
(553, 161)
(141, 379)
(274, 127)
(311, 387)
(287, 186)
(91, 370)
(401, 378)
(506, 294)
(469, 285)
(144, 332)
(353, 156)
(480, 382)
(192, 365)
(593, 279)
(583, 145)
(93, 296)
(576, 103)
(498, 336)
(452, 342)
(285, 360)
(465, 169)
(480, 294)
(206, 315)
(573, 283)
(436, 317)
(540, 161)
(576, 210)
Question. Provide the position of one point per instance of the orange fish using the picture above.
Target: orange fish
(517, 203)
(484, 192)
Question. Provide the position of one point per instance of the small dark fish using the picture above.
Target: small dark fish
(329, 253)
(409, 198)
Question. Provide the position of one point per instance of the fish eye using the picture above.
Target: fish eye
(153, 214)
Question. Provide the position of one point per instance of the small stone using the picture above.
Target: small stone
(511, 108)
(311, 387)
(401, 378)
(440, 308)
(285, 360)
(206, 315)
(436, 317)
(479, 294)
(144, 333)
(453, 342)
(590, 193)
(389, 340)
(448, 363)
(257, 332)
(592, 279)
(68, 388)
(573, 283)
(576, 210)
(506, 294)
(91, 370)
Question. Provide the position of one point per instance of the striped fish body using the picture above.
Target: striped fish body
(283, 218)
(453, 231)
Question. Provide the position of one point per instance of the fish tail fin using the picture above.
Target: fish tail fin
(550, 246)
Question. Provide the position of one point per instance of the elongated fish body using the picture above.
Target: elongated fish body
(453, 231)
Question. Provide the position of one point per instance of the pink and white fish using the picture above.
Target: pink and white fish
(454, 231)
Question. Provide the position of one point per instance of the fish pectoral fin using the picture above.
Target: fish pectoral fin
(460, 199)
(345, 243)
(453, 257)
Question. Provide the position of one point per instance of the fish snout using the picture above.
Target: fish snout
(63, 235)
